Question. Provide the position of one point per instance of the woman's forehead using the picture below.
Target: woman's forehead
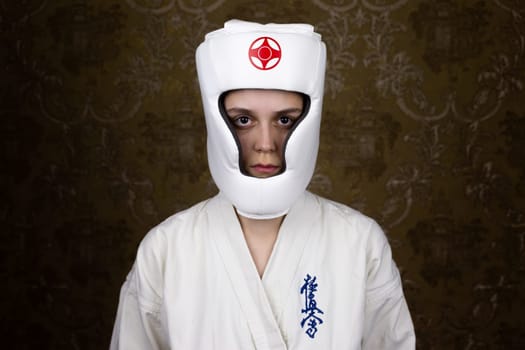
(263, 98)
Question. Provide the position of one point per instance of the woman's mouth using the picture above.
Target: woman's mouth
(265, 169)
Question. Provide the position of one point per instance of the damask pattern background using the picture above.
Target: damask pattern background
(102, 137)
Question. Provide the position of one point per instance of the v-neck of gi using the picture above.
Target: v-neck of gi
(281, 269)
(262, 299)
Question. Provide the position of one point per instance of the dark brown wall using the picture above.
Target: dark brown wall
(102, 136)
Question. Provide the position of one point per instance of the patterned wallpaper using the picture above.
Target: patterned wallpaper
(102, 136)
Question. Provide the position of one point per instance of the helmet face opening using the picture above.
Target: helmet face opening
(245, 55)
(222, 110)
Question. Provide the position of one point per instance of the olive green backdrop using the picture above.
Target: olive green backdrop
(102, 136)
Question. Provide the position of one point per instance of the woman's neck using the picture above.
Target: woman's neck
(260, 236)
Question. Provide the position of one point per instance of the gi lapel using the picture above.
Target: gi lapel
(243, 275)
(280, 276)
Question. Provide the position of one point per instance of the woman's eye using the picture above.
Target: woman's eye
(286, 121)
(241, 121)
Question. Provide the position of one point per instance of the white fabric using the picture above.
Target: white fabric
(224, 64)
(194, 284)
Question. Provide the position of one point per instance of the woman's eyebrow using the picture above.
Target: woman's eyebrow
(290, 110)
(238, 110)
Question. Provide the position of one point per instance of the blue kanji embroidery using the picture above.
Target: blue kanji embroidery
(312, 319)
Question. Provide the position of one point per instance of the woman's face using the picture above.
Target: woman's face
(262, 120)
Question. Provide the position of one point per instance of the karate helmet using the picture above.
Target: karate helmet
(246, 55)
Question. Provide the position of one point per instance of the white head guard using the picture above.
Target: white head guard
(245, 55)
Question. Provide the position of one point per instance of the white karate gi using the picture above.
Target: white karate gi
(330, 283)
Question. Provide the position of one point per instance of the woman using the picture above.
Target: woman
(264, 264)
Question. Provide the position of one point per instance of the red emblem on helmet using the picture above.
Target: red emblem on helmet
(264, 53)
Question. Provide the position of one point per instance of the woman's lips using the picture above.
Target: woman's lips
(265, 168)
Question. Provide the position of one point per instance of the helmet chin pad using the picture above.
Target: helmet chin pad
(245, 55)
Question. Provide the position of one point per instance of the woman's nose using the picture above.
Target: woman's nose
(266, 139)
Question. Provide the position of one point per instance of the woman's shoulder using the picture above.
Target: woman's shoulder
(154, 249)
(339, 211)
(176, 226)
(346, 219)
